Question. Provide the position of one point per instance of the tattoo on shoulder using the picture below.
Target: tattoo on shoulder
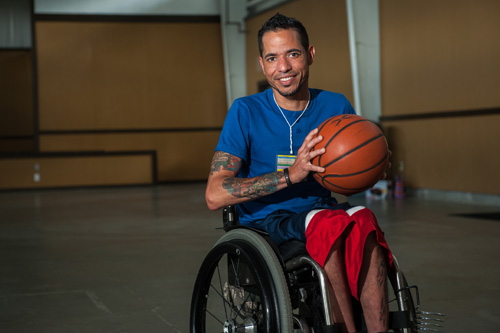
(224, 161)
(253, 188)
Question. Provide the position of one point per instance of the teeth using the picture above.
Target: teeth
(286, 79)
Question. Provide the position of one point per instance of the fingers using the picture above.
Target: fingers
(311, 134)
(307, 153)
(316, 168)
(310, 141)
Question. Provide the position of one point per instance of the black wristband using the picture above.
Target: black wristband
(287, 177)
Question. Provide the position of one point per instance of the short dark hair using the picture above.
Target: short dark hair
(279, 22)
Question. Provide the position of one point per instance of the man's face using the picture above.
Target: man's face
(284, 61)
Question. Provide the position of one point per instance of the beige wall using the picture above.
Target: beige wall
(181, 156)
(458, 154)
(16, 101)
(440, 58)
(112, 75)
(69, 171)
(119, 87)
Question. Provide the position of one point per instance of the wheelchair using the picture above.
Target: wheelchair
(248, 284)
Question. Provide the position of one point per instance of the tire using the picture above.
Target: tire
(240, 287)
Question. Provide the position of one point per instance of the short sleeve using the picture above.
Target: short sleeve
(234, 138)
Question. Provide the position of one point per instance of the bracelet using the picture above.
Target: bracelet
(287, 177)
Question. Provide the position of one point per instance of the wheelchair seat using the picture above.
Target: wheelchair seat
(288, 250)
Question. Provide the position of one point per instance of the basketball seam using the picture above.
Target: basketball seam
(337, 133)
(357, 173)
(353, 150)
(324, 179)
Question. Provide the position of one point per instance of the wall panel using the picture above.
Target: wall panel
(70, 171)
(439, 55)
(16, 93)
(180, 155)
(459, 154)
(115, 75)
(440, 82)
(17, 144)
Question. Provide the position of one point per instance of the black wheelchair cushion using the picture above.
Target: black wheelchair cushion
(292, 248)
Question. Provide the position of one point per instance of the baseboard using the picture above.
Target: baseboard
(456, 196)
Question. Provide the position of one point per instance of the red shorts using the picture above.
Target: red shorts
(328, 225)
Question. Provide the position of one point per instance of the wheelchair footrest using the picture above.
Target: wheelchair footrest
(429, 321)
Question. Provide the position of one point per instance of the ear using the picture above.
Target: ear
(310, 54)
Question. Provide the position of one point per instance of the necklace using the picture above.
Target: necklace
(290, 126)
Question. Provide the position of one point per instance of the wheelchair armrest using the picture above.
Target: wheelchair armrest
(230, 217)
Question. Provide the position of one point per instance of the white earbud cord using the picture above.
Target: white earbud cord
(290, 126)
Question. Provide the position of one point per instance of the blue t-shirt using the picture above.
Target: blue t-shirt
(256, 132)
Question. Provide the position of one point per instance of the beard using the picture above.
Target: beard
(294, 91)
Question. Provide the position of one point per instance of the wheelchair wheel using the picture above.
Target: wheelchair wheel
(241, 287)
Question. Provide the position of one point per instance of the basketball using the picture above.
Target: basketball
(356, 154)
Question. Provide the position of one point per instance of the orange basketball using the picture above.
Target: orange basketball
(356, 154)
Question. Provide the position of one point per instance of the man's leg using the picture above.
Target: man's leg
(341, 297)
(373, 286)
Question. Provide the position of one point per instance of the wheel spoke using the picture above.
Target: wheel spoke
(215, 317)
(225, 302)
(220, 283)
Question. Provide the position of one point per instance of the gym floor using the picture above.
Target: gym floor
(125, 259)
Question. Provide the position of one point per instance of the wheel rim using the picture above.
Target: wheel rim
(230, 293)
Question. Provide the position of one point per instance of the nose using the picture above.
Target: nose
(283, 64)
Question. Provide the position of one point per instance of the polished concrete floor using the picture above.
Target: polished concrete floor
(125, 259)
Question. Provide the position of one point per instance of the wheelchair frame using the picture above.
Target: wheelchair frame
(264, 291)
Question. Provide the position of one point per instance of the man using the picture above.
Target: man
(262, 164)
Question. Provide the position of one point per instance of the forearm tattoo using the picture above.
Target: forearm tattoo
(255, 187)
(244, 187)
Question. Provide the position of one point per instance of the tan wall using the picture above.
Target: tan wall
(17, 145)
(181, 155)
(442, 57)
(16, 101)
(66, 171)
(326, 24)
(116, 75)
(459, 154)
(128, 86)
(435, 57)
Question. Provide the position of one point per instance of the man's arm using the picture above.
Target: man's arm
(224, 188)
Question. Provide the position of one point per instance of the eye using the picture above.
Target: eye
(294, 54)
(270, 59)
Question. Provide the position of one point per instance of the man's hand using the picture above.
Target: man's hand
(302, 165)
